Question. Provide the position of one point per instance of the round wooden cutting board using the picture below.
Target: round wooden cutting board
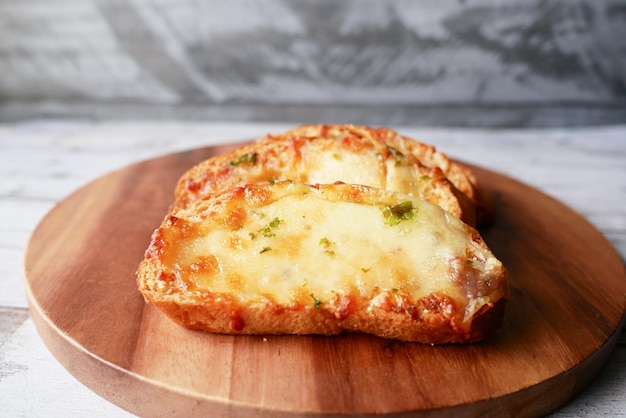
(568, 301)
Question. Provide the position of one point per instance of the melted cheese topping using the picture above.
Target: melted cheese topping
(301, 244)
(328, 162)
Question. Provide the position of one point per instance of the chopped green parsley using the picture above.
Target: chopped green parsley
(249, 159)
(275, 222)
(326, 243)
(316, 301)
(265, 249)
(267, 230)
(403, 211)
(395, 152)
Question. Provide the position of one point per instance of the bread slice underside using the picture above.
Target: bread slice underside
(290, 258)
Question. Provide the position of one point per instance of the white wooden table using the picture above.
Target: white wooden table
(41, 162)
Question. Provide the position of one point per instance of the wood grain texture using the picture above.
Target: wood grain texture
(569, 298)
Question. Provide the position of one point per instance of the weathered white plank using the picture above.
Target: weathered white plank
(77, 53)
(34, 384)
(605, 396)
(19, 217)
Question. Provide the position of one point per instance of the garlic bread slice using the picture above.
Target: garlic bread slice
(291, 258)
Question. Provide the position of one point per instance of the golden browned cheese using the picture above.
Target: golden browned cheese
(286, 257)
(460, 176)
(324, 154)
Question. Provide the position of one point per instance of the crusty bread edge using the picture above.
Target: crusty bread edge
(220, 313)
(220, 319)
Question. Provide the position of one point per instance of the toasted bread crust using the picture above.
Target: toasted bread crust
(326, 154)
(228, 317)
(437, 317)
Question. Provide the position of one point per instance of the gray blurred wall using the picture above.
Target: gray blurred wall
(448, 62)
